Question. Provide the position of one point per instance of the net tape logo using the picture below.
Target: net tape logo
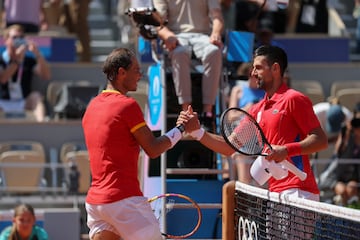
(247, 229)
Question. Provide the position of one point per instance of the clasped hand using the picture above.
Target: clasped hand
(189, 119)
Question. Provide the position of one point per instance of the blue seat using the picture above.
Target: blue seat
(239, 46)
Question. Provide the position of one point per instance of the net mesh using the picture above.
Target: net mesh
(260, 214)
(242, 132)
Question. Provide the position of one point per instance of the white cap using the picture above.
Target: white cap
(277, 170)
(262, 169)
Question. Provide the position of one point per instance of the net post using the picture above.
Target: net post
(228, 199)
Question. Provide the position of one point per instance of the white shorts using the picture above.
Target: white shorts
(131, 218)
(301, 194)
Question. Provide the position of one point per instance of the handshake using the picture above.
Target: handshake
(190, 123)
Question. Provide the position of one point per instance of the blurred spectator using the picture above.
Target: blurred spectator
(244, 95)
(245, 15)
(356, 15)
(53, 12)
(348, 147)
(265, 34)
(336, 120)
(352, 192)
(277, 14)
(126, 33)
(340, 197)
(347, 194)
(228, 12)
(332, 117)
(194, 28)
(24, 225)
(313, 17)
(18, 63)
(29, 14)
(292, 15)
(74, 19)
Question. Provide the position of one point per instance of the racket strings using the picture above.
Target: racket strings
(243, 134)
(177, 205)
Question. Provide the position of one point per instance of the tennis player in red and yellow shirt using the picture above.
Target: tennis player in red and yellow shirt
(287, 118)
(114, 130)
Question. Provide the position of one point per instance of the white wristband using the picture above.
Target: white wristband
(174, 135)
(198, 134)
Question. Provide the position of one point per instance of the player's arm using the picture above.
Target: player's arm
(212, 141)
(314, 142)
(153, 146)
(216, 143)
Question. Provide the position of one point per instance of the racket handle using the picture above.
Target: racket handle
(292, 168)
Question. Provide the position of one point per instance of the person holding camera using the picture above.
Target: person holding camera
(18, 64)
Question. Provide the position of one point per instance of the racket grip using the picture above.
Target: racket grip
(292, 168)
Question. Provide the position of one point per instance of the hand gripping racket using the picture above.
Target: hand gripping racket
(179, 206)
(241, 131)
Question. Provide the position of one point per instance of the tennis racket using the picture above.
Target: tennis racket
(180, 206)
(241, 131)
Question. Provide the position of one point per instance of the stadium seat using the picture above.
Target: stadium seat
(70, 147)
(339, 85)
(75, 153)
(310, 88)
(349, 97)
(21, 171)
(22, 145)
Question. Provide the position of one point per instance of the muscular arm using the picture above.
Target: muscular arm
(153, 146)
(216, 143)
(212, 141)
(314, 142)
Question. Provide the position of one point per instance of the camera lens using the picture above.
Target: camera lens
(19, 41)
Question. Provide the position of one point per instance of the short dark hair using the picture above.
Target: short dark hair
(120, 57)
(273, 55)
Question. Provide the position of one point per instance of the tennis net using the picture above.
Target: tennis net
(260, 214)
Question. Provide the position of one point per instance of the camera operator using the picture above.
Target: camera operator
(18, 64)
